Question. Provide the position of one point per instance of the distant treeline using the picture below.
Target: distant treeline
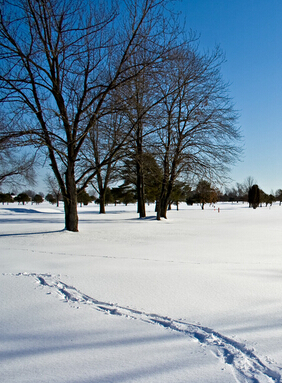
(203, 193)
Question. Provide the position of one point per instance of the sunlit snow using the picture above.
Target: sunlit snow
(194, 298)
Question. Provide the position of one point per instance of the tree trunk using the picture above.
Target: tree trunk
(102, 207)
(102, 204)
(165, 197)
(162, 203)
(103, 184)
(58, 199)
(140, 193)
(158, 210)
(140, 176)
(163, 207)
(71, 217)
(70, 201)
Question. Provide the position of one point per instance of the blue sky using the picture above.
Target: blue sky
(250, 34)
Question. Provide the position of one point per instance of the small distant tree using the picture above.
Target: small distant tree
(123, 194)
(117, 194)
(239, 192)
(268, 199)
(150, 179)
(249, 182)
(30, 193)
(271, 199)
(205, 193)
(54, 188)
(16, 165)
(108, 197)
(37, 199)
(242, 191)
(254, 196)
(6, 198)
(129, 197)
(230, 195)
(83, 198)
(278, 196)
(22, 198)
(180, 193)
(51, 199)
(190, 200)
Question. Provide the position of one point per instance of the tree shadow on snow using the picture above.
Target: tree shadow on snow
(59, 346)
(32, 233)
(149, 218)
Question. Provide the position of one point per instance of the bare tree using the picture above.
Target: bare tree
(103, 149)
(126, 125)
(198, 132)
(140, 109)
(53, 188)
(248, 183)
(205, 193)
(141, 99)
(60, 61)
(16, 169)
(16, 164)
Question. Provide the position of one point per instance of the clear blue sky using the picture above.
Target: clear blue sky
(250, 34)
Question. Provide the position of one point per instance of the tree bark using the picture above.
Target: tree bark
(163, 206)
(162, 202)
(102, 204)
(140, 193)
(167, 185)
(70, 201)
(165, 197)
(140, 176)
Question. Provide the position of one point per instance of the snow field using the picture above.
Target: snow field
(195, 298)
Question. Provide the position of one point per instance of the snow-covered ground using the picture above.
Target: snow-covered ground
(194, 298)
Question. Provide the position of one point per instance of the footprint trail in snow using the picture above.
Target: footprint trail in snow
(247, 367)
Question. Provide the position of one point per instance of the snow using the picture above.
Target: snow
(194, 298)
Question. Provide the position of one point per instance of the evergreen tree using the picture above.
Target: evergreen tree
(180, 193)
(51, 199)
(22, 198)
(6, 198)
(254, 196)
(123, 194)
(278, 196)
(83, 198)
(205, 193)
(37, 199)
(151, 176)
